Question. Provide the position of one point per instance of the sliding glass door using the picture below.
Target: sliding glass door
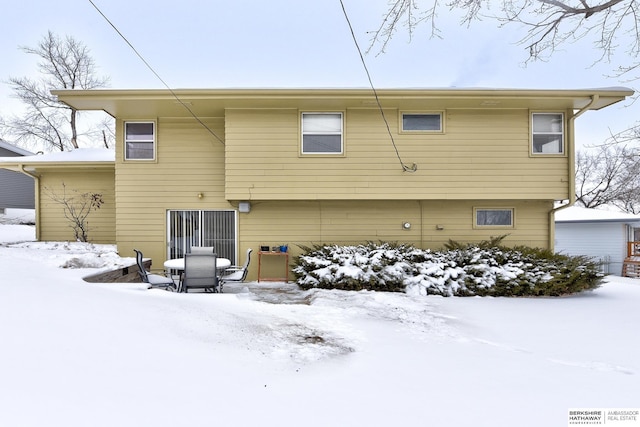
(202, 228)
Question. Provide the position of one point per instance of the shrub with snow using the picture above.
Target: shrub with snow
(481, 269)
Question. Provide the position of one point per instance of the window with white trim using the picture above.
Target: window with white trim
(493, 217)
(421, 122)
(322, 133)
(139, 140)
(547, 133)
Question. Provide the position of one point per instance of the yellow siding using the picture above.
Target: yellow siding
(301, 200)
(482, 159)
(53, 224)
(482, 154)
(189, 161)
(352, 222)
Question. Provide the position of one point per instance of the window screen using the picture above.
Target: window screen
(321, 133)
(139, 140)
(494, 217)
(421, 122)
(547, 133)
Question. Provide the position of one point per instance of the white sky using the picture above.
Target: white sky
(292, 43)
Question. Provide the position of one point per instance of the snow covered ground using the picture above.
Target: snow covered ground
(81, 354)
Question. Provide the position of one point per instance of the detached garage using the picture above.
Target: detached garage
(601, 234)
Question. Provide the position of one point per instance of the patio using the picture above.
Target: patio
(270, 292)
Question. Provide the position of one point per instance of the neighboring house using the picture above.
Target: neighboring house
(600, 234)
(16, 188)
(245, 168)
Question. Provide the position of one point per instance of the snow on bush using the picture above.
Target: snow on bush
(459, 271)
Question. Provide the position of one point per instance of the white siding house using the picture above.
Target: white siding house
(600, 234)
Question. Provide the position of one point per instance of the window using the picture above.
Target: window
(321, 133)
(421, 122)
(547, 133)
(139, 140)
(493, 217)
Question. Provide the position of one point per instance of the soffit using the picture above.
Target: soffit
(213, 102)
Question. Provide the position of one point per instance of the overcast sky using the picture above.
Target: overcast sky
(294, 43)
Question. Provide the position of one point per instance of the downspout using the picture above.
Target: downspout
(571, 145)
(36, 180)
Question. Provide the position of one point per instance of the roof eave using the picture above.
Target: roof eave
(38, 166)
(213, 102)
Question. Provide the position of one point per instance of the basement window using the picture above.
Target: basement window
(489, 217)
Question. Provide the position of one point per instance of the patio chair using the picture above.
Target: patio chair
(199, 273)
(153, 280)
(236, 273)
(203, 250)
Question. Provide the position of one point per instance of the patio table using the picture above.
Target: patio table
(178, 264)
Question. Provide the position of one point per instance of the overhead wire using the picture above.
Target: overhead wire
(157, 75)
(405, 167)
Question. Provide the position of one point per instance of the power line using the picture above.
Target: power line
(156, 74)
(405, 168)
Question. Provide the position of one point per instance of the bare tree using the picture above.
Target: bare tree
(104, 132)
(609, 176)
(549, 23)
(76, 207)
(65, 63)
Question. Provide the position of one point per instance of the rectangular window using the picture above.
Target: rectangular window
(322, 133)
(139, 140)
(421, 122)
(493, 217)
(547, 133)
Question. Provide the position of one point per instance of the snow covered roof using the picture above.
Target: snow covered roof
(10, 147)
(77, 155)
(580, 214)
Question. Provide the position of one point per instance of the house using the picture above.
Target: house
(249, 168)
(600, 234)
(16, 189)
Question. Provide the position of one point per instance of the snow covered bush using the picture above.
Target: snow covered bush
(482, 269)
(380, 267)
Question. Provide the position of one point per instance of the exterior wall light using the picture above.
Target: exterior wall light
(406, 225)
(244, 207)
(200, 195)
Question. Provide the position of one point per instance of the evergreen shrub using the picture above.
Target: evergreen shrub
(482, 269)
